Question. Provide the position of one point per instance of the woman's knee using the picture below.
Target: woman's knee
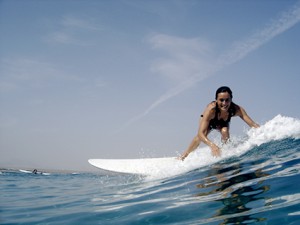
(225, 133)
(224, 130)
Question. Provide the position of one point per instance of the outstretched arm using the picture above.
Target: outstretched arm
(241, 112)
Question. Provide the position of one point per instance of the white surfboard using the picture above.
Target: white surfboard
(145, 166)
(25, 171)
(38, 172)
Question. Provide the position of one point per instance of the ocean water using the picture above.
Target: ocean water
(256, 181)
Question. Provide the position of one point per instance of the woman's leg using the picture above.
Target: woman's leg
(225, 134)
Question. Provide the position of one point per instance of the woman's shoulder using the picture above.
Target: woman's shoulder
(211, 107)
(235, 109)
(209, 110)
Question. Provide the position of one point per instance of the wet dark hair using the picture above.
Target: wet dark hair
(223, 89)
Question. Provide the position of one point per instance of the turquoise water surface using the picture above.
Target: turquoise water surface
(260, 186)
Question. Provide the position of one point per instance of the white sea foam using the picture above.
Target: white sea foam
(280, 127)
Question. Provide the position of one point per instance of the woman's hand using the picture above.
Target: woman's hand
(215, 150)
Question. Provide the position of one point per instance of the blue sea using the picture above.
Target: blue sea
(256, 181)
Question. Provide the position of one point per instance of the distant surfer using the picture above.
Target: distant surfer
(36, 172)
(217, 115)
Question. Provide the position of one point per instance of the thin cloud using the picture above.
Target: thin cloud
(242, 48)
(20, 72)
(64, 37)
(184, 57)
(72, 30)
(238, 51)
(73, 22)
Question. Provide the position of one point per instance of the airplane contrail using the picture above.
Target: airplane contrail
(240, 50)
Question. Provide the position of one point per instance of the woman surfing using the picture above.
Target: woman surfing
(217, 115)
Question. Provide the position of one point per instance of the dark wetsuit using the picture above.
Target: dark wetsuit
(217, 123)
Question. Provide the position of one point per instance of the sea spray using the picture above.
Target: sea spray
(280, 127)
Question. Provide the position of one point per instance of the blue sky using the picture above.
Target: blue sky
(129, 79)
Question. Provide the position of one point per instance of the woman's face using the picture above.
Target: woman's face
(224, 101)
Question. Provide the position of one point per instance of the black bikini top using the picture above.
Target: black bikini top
(231, 111)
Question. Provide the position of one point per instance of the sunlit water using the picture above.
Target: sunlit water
(259, 184)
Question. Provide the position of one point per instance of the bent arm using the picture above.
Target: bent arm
(204, 131)
(204, 128)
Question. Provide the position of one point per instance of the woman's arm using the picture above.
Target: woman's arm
(203, 132)
(241, 112)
